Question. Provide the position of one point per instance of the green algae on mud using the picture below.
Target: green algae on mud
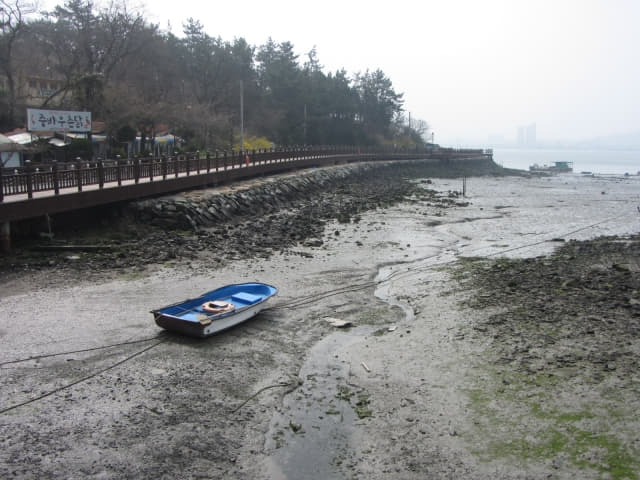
(586, 449)
(557, 385)
(361, 403)
(520, 419)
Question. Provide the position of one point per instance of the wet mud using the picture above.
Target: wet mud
(492, 337)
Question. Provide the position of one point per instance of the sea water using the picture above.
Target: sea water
(599, 162)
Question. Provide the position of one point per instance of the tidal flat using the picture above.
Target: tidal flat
(493, 335)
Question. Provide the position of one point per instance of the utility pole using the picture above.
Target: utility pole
(304, 124)
(241, 117)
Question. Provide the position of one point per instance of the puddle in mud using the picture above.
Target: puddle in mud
(383, 293)
(309, 437)
(309, 434)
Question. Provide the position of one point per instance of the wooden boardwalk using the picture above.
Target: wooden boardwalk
(35, 192)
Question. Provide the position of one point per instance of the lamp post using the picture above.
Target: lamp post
(432, 136)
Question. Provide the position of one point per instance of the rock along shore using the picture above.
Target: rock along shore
(202, 209)
(246, 219)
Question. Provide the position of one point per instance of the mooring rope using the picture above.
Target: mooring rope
(83, 379)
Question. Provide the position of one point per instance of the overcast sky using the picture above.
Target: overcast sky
(471, 68)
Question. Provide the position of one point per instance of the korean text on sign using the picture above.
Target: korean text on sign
(54, 120)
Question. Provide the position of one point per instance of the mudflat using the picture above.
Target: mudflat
(494, 335)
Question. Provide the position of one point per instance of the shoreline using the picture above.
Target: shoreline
(600, 161)
(169, 411)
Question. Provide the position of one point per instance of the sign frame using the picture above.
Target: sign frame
(39, 120)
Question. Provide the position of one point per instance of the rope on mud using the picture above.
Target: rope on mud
(92, 349)
(83, 379)
(299, 302)
(353, 288)
(400, 273)
(295, 383)
(564, 235)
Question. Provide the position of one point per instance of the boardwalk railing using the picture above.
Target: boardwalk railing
(54, 177)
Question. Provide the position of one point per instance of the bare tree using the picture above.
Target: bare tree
(13, 23)
(88, 44)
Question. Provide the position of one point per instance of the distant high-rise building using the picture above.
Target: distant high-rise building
(531, 135)
(527, 135)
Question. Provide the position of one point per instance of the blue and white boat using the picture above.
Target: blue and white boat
(216, 310)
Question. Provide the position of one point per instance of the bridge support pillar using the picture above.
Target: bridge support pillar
(5, 236)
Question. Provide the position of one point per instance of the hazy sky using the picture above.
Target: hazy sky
(470, 68)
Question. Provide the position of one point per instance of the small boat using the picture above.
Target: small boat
(216, 310)
(557, 167)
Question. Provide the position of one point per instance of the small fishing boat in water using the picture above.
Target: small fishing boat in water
(557, 167)
(216, 310)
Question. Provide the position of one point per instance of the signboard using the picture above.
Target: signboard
(57, 121)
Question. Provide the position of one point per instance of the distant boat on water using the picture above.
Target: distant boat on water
(599, 162)
(556, 167)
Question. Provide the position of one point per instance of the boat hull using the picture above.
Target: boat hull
(190, 318)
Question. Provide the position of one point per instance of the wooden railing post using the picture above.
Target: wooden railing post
(1, 186)
(176, 165)
(56, 178)
(188, 165)
(118, 170)
(151, 167)
(224, 159)
(217, 161)
(29, 171)
(136, 170)
(79, 173)
(208, 161)
(100, 174)
(165, 167)
(5, 236)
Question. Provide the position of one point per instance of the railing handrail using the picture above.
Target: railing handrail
(77, 174)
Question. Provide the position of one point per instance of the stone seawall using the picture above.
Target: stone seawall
(199, 209)
(203, 208)
(256, 217)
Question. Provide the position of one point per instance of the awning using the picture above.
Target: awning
(8, 145)
(23, 138)
(76, 135)
(57, 142)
